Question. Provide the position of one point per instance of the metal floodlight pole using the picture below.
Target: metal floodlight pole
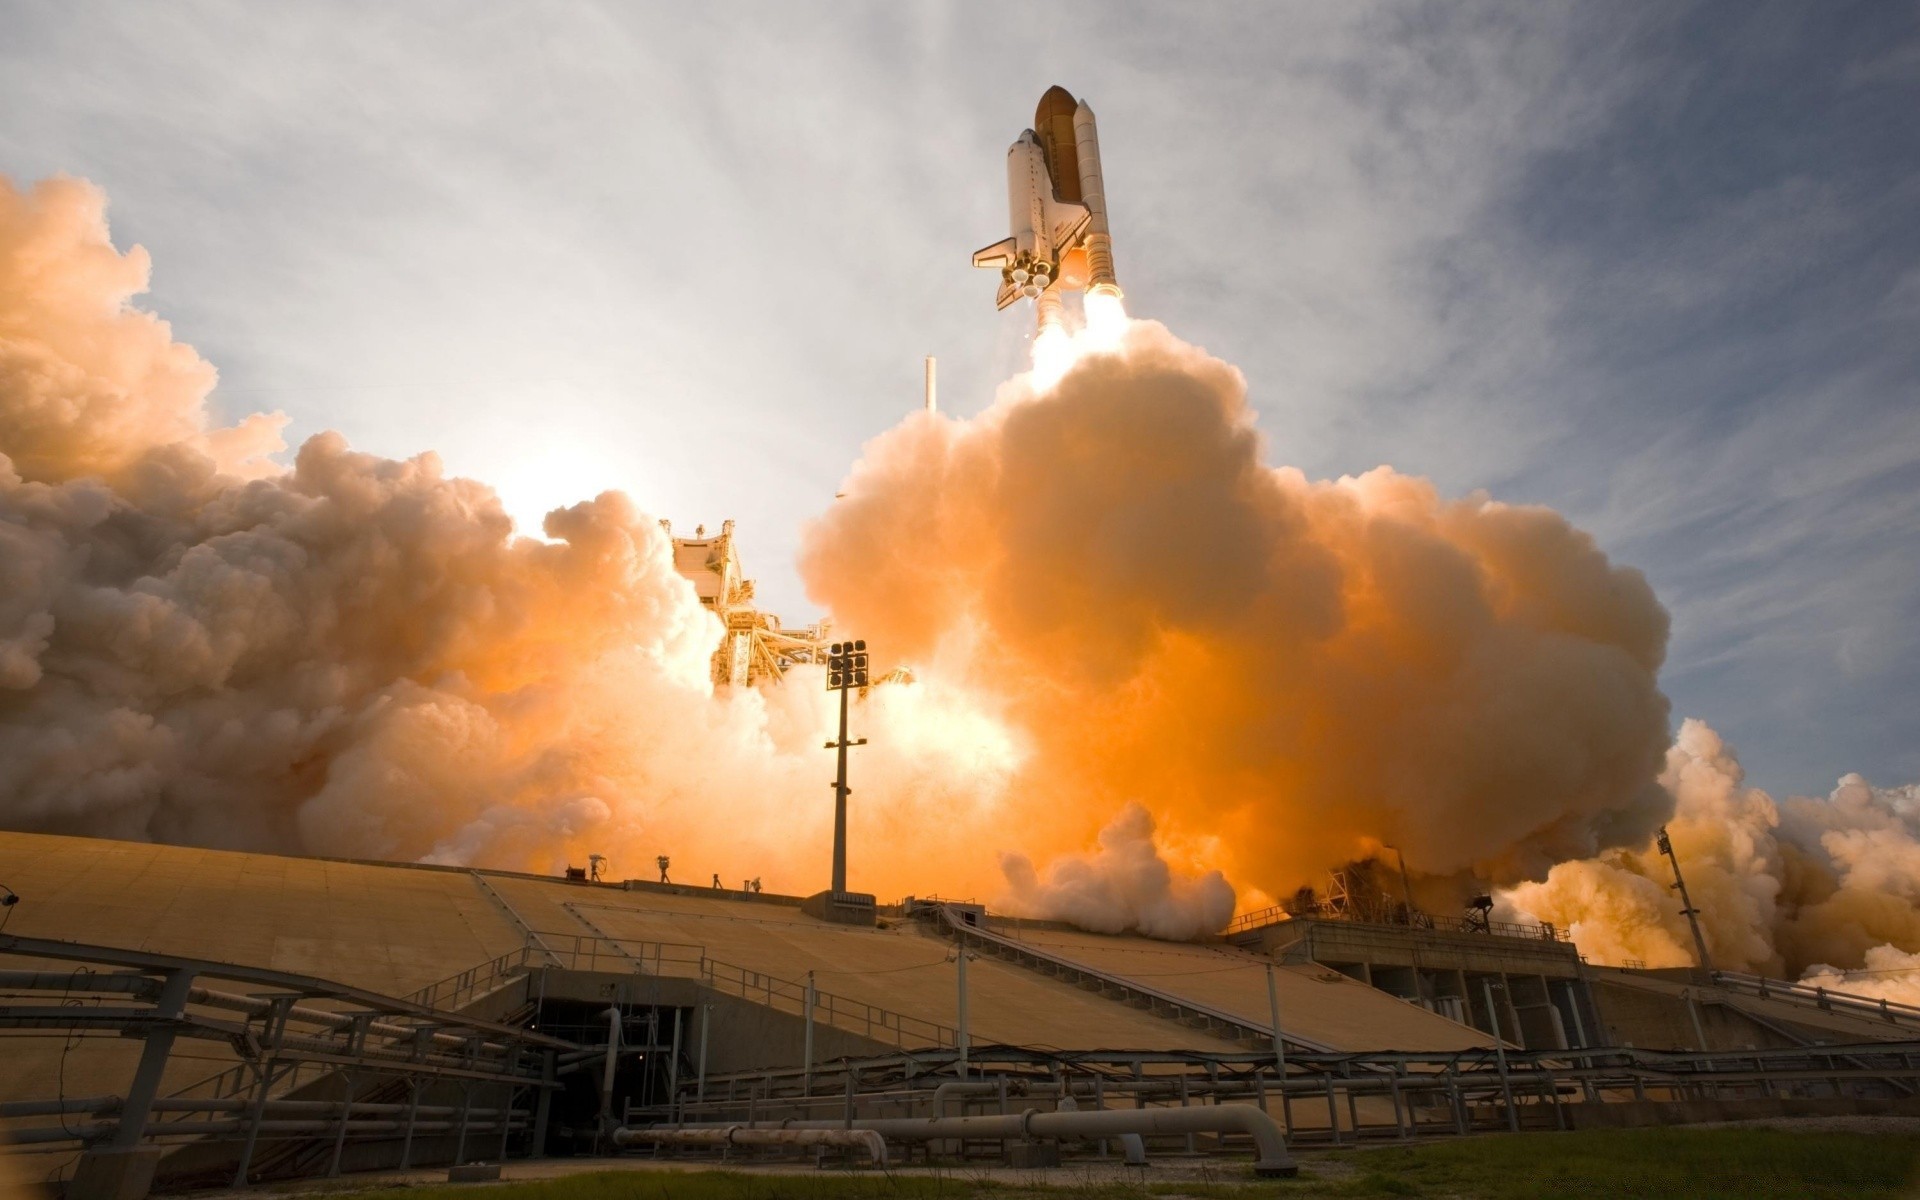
(1687, 909)
(840, 801)
(846, 670)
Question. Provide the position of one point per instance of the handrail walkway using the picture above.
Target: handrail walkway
(278, 1025)
(459, 990)
(513, 915)
(1868, 1008)
(685, 960)
(1277, 914)
(1159, 1003)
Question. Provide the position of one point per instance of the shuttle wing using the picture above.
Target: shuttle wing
(997, 255)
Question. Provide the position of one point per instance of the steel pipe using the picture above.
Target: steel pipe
(80, 981)
(55, 1108)
(93, 1131)
(1273, 1157)
(740, 1135)
(970, 1087)
(307, 1014)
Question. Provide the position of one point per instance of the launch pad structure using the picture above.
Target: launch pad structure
(755, 647)
(177, 1018)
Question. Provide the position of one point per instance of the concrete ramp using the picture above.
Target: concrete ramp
(1683, 1010)
(387, 929)
(1318, 1006)
(898, 966)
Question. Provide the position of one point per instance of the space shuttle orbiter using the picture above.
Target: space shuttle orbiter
(1057, 205)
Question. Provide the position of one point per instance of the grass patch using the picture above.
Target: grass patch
(1639, 1164)
(1654, 1164)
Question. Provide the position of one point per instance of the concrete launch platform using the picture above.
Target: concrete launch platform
(396, 929)
(422, 990)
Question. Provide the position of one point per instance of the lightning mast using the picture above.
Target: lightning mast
(1687, 909)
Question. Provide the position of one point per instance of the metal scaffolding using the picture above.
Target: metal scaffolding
(312, 1066)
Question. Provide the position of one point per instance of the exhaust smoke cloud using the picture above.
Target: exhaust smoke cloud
(1151, 668)
(1124, 884)
(1286, 673)
(1825, 888)
(354, 656)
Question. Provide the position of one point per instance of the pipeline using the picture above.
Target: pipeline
(94, 1131)
(80, 980)
(332, 1020)
(1273, 1158)
(740, 1135)
(962, 1088)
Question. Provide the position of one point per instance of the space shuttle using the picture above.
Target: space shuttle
(1057, 210)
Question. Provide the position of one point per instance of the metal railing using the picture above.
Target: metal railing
(684, 960)
(1271, 915)
(1328, 1098)
(1825, 999)
(1156, 1001)
(1275, 914)
(595, 952)
(840, 1012)
(447, 995)
(459, 990)
(282, 1028)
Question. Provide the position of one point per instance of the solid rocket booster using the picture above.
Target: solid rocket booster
(1093, 193)
(1057, 212)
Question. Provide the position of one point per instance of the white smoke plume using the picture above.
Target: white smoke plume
(1294, 671)
(355, 656)
(1887, 972)
(1124, 883)
(1103, 589)
(1785, 888)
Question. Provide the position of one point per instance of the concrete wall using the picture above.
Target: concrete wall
(1661, 1020)
(1430, 949)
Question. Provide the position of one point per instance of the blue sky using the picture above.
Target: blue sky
(1654, 265)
